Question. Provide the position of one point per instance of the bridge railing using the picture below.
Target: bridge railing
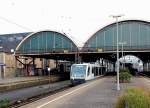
(114, 48)
(42, 51)
(84, 49)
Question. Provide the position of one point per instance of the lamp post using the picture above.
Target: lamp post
(116, 17)
(122, 43)
(49, 78)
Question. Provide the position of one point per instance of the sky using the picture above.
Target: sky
(79, 19)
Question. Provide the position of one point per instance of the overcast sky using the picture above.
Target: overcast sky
(79, 19)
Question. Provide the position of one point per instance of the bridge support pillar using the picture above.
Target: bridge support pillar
(114, 65)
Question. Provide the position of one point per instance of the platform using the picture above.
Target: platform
(100, 93)
(9, 84)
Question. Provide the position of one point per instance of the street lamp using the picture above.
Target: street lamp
(116, 17)
(122, 43)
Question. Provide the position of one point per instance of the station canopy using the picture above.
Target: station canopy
(46, 44)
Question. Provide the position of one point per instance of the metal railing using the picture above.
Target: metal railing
(83, 50)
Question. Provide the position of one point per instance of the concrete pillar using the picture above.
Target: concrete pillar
(75, 58)
(16, 68)
(56, 63)
(4, 68)
(102, 62)
(106, 65)
(26, 68)
(34, 66)
(2, 72)
(114, 66)
(147, 66)
(144, 66)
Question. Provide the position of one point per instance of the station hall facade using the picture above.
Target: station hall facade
(29, 54)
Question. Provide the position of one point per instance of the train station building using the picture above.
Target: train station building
(31, 53)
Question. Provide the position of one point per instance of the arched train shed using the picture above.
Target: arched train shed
(47, 44)
(133, 35)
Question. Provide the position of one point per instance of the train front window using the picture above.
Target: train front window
(78, 70)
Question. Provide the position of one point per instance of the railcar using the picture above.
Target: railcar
(81, 73)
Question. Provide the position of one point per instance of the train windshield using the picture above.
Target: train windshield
(78, 70)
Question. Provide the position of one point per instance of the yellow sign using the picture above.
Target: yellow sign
(65, 51)
(99, 50)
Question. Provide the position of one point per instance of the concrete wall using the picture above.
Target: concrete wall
(52, 63)
(10, 69)
(38, 63)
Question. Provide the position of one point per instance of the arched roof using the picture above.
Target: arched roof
(135, 34)
(46, 42)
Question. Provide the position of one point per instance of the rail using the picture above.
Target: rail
(42, 91)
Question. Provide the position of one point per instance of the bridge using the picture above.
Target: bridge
(102, 44)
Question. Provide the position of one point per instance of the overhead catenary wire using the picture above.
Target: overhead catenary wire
(29, 29)
(14, 23)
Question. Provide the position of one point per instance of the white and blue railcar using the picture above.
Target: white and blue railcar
(81, 73)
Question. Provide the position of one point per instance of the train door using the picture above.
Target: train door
(88, 71)
(94, 71)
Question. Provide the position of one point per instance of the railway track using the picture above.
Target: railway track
(20, 103)
(142, 74)
(29, 95)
